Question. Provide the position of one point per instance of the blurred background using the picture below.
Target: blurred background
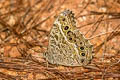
(24, 33)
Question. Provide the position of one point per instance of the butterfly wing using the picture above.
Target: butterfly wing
(67, 46)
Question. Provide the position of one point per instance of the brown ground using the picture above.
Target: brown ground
(24, 30)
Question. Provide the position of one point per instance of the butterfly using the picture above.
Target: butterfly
(67, 45)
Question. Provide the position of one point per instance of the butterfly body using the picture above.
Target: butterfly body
(67, 46)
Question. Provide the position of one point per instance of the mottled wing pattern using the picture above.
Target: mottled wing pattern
(67, 46)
